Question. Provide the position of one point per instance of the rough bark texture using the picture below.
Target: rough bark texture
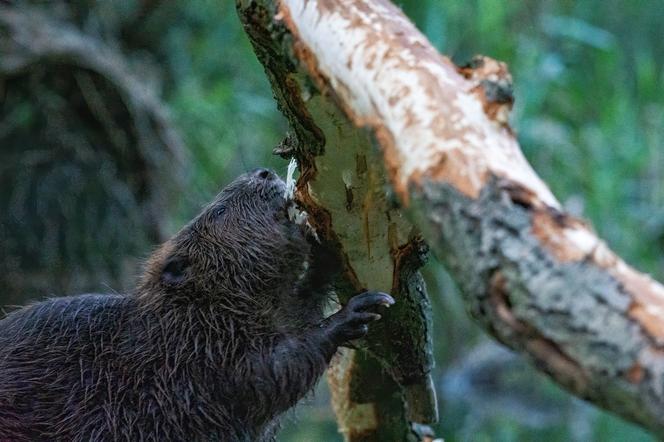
(384, 385)
(536, 278)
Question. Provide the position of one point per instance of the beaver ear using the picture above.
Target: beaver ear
(174, 270)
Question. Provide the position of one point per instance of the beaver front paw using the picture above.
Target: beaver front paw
(351, 322)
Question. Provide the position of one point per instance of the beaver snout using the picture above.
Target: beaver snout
(267, 183)
(264, 174)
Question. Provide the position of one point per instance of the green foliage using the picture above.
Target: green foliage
(76, 183)
(219, 94)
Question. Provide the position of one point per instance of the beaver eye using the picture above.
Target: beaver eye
(218, 211)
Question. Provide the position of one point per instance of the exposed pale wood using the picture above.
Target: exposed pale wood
(539, 280)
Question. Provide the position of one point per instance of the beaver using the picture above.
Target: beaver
(223, 333)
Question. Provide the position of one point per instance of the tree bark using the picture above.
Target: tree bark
(353, 74)
(384, 385)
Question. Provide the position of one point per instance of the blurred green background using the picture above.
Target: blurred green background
(94, 171)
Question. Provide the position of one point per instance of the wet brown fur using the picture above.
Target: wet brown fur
(223, 333)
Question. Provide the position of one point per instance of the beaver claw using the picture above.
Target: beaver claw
(351, 322)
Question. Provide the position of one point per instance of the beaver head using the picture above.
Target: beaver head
(241, 247)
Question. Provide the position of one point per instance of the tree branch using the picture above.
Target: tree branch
(536, 278)
(384, 386)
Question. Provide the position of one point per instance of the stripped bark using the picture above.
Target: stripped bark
(536, 278)
(384, 386)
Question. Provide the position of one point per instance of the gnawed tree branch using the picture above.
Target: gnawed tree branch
(536, 278)
(384, 386)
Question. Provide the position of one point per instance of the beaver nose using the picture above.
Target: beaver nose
(264, 174)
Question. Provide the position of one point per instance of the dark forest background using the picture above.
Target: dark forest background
(119, 119)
